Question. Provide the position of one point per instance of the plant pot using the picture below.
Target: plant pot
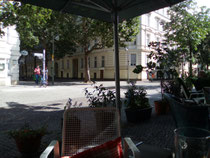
(29, 147)
(138, 115)
(161, 107)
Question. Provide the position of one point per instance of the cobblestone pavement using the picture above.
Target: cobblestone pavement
(44, 106)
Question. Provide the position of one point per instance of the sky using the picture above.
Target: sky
(203, 3)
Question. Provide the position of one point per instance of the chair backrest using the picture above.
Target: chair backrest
(188, 115)
(206, 91)
(200, 83)
(184, 88)
(88, 127)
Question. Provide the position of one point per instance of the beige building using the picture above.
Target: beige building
(102, 61)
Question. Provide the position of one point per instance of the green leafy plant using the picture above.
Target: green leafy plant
(136, 97)
(100, 97)
(171, 87)
(138, 69)
(26, 132)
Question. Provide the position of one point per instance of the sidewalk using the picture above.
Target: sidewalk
(156, 131)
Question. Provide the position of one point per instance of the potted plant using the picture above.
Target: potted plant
(166, 60)
(28, 140)
(137, 104)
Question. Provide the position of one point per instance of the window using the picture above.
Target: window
(67, 64)
(157, 23)
(161, 24)
(8, 34)
(133, 59)
(163, 11)
(147, 39)
(81, 63)
(62, 64)
(61, 74)
(148, 20)
(95, 62)
(102, 61)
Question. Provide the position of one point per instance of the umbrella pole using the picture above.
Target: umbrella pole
(117, 70)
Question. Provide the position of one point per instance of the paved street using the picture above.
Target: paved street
(39, 106)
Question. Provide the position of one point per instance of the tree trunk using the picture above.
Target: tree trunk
(190, 68)
(87, 68)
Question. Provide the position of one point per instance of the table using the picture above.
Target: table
(150, 151)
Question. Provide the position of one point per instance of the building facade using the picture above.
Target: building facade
(102, 61)
(9, 55)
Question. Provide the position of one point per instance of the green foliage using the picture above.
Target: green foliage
(37, 26)
(100, 97)
(187, 28)
(203, 55)
(136, 98)
(26, 132)
(163, 58)
(138, 69)
(171, 87)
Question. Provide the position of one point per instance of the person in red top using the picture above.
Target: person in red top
(37, 72)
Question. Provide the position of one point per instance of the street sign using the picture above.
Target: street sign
(24, 52)
(39, 55)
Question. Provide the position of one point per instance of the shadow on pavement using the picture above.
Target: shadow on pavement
(16, 115)
(156, 131)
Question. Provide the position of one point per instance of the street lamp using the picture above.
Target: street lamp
(53, 54)
(126, 49)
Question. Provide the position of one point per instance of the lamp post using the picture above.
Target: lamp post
(53, 64)
(126, 49)
(53, 57)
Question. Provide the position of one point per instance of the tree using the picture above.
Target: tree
(203, 54)
(37, 26)
(93, 34)
(187, 28)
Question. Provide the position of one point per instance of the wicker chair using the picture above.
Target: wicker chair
(206, 91)
(188, 114)
(84, 128)
(189, 94)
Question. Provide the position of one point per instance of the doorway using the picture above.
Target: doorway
(56, 69)
(101, 74)
(75, 68)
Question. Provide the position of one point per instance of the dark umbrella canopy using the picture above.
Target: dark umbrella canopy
(103, 9)
(109, 11)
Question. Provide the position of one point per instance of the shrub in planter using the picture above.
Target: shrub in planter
(100, 97)
(28, 140)
(137, 105)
